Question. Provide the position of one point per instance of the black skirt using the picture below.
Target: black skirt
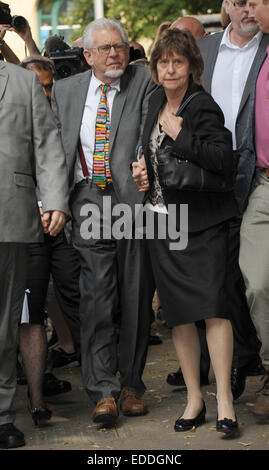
(191, 283)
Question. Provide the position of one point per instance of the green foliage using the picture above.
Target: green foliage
(202, 6)
(47, 3)
(140, 17)
(82, 14)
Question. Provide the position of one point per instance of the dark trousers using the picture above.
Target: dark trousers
(13, 262)
(54, 257)
(114, 278)
(246, 342)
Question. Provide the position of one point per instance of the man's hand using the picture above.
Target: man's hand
(53, 222)
(3, 29)
(26, 34)
(140, 174)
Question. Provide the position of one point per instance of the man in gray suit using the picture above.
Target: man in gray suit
(254, 253)
(111, 268)
(229, 59)
(30, 154)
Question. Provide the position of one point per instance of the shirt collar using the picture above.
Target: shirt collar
(95, 83)
(226, 42)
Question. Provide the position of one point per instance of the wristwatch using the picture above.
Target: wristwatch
(2, 42)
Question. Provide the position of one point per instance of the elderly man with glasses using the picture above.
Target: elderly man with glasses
(230, 58)
(101, 113)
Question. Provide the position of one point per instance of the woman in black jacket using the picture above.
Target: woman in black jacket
(191, 281)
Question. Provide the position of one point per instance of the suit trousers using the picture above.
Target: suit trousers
(246, 342)
(13, 266)
(115, 277)
(254, 258)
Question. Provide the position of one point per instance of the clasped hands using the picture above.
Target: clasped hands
(52, 221)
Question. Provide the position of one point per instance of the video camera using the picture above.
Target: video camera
(19, 23)
(67, 61)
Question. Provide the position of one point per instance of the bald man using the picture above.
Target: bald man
(191, 24)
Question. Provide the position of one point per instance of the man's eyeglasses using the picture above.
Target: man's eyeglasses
(239, 4)
(105, 49)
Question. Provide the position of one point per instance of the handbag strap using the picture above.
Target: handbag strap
(186, 102)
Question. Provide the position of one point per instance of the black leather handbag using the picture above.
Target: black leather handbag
(183, 175)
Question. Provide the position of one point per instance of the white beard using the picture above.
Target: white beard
(251, 28)
(114, 73)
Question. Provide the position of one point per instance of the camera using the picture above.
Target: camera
(19, 23)
(67, 61)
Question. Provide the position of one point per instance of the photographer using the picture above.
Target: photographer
(21, 26)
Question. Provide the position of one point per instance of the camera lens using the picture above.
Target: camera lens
(18, 23)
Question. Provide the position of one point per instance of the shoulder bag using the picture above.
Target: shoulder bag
(176, 173)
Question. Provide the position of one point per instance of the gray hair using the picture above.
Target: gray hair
(43, 63)
(101, 23)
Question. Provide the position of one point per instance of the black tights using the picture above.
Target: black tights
(33, 347)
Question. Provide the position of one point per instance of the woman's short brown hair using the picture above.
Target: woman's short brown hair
(183, 43)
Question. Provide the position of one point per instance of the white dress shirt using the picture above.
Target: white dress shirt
(87, 130)
(230, 75)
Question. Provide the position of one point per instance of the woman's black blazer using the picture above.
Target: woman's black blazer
(205, 141)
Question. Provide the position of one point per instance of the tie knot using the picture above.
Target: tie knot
(105, 88)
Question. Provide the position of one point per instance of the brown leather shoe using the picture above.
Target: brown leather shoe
(131, 403)
(105, 412)
(261, 407)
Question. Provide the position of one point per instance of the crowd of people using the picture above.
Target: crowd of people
(186, 128)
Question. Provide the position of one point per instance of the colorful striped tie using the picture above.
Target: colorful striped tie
(101, 172)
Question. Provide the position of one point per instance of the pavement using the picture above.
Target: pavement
(71, 427)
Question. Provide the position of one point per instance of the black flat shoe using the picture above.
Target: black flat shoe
(238, 381)
(53, 386)
(40, 414)
(10, 436)
(61, 358)
(228, 427)
(176, 379)
(182, 424)
(154, 339)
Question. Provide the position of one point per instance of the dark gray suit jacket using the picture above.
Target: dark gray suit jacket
(247, 162)
(209, 47)
(128, 115)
